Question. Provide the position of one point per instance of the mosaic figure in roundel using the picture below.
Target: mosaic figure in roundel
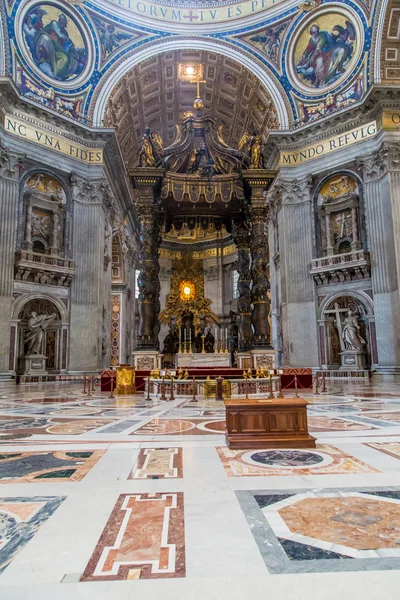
(324, 50)
(55, 42)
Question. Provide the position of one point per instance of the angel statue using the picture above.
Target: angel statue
(250, 147)
(256, 158)
(151, 153)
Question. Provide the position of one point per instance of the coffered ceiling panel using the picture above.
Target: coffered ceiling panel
(151, 96)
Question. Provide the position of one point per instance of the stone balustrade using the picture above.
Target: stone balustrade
(43, 268)
(339, 268)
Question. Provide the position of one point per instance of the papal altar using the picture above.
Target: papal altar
(203, 360)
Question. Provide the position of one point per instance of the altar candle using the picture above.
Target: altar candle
(190, 334)
(184, 334)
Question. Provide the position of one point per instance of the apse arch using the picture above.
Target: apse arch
(107, 84)
(380, 23)
(3, 42)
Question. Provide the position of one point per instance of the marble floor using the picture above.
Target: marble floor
(125, 498)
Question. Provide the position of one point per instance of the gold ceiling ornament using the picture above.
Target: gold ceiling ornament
(187, 272)
(190, 71)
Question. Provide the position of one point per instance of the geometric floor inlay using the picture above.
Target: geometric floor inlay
(158, 463)
(324, 460)
(300, 531)
(20, 519)
(143, 539)
(26, 467)
(390, 448)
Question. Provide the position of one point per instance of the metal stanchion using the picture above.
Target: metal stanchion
(295, 386)
(93, 388)
(247, 389)
(84, 384)
(323, 384)
(280, 394)
(271, 394)
(316, 384)
(171, 396)
(89, 381)
(148, 388)
(112, 387)
(194, 399)
(163, 397)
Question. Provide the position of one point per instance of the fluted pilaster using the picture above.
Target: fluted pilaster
(87, 288)
(381, 175)
(9, 179)
(300, 295)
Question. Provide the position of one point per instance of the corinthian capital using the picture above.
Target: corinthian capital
(376, 165)
(10, 164)
(295, 191)
(87, 191)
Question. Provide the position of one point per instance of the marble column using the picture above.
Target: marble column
(259, 274)
(297, 233)
(149, 281)
(274, 200)
(9, 188)
(241, 237)
(381, 176)
(87, 288)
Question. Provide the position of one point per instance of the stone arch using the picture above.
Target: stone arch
(55, 339)
(55, 203)
(359, 202)
(361, 305)
(3, 42)
(378, 62)
(107, 84)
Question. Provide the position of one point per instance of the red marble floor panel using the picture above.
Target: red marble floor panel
(143, 539)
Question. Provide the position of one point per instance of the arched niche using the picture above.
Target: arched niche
(44, 215)
(53, 339)
(340, 305)
(339, 215)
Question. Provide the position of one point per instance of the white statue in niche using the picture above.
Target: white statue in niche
(350, 333)
(34, 336)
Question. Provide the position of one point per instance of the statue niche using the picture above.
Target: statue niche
(339, 216)
(347, 343)
(44, 210)
(39, 338)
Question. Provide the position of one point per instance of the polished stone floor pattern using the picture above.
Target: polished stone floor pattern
(125, 498)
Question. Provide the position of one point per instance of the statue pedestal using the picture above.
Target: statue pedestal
(32, 364)
(352, 360)
(263, 358)
(147, 360)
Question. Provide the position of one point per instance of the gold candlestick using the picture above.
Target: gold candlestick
(190, 347)
(220, 348)
(203, 350)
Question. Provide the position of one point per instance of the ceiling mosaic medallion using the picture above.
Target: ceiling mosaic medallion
(325, 50)
(53, 40)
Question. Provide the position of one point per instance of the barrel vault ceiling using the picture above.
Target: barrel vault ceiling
(150, 95)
